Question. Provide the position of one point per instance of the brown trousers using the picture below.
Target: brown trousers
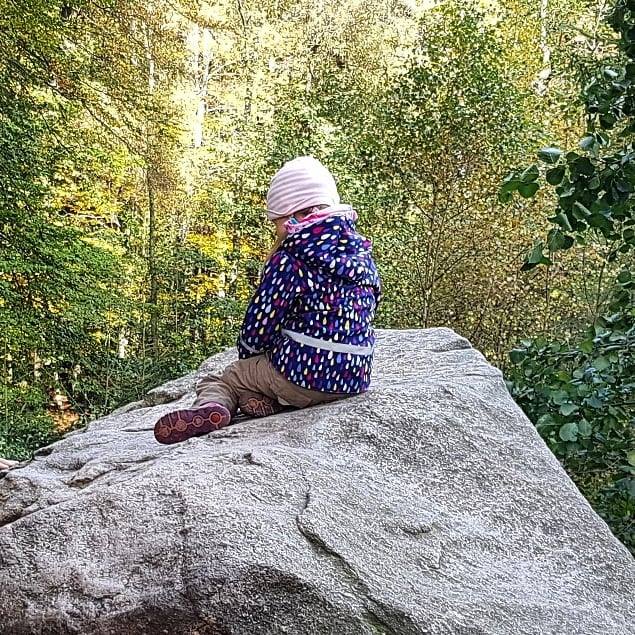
(241, 379)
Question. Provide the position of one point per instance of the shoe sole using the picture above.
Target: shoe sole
(260, 407)
(181, 425)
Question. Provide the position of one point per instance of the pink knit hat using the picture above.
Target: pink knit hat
(298, 184)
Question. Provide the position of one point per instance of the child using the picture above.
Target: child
(307, 336)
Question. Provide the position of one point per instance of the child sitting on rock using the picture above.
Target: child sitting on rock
(307, 336)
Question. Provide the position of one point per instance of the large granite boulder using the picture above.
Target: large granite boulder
(428, 505)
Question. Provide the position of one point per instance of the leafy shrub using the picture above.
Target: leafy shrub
(27, 426)
(580, 397)
(580, 394)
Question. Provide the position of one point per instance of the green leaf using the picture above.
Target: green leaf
(583, 390)
(624, 276)
(517, 355)
(601, 363)
(580, 211)
(589, 143)
(582, 166)
(623, 186)
(557, 240)
(597, 220)
(585, 428)
(631, 457)
(527, 190)
(505, 197)
(569, 431)
(629, 485)
(568, 408)
(561, 219)
(559, 397)
(544, 420)
(555, 175)
(536, 255)
(549, 155)
(530, 174)
(599, 326)
(510, 183)
(607, 120)
(586, 346)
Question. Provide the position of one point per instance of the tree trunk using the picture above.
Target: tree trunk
(150, 174)
(542, 81)
(152, 268)
(201, 46)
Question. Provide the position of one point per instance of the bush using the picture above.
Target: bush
(580, 398)
(27, 426)
(580, 394)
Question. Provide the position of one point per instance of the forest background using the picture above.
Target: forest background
(137, 140)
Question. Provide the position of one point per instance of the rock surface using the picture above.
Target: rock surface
(427, 505)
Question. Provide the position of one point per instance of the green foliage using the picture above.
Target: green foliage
(580, 397)
(581, 394)
(28, 426)
(57, 286)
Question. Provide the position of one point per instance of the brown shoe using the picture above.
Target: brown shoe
(254, 404)
(182, 424)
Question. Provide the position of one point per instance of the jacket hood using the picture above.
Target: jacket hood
(333, 247)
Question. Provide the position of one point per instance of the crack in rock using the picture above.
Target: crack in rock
(374, 608)
(90, 472)
(416, 530)
(184, 533)
(20, 515)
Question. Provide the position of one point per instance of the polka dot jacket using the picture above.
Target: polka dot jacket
(322, 285)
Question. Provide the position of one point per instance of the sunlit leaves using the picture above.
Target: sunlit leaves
(580, 392)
